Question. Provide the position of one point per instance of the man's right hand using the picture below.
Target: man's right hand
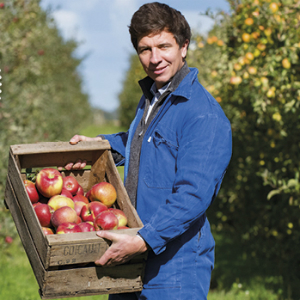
(78, 138)
(79, 165)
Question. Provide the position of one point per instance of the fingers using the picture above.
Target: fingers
(106, 259)
(108, 235)
(79, 165)
(78, 138)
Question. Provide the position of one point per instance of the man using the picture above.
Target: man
(175, 152)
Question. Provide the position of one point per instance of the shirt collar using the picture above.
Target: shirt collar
(160, 91)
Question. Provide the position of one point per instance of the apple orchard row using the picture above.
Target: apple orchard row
(62, 207)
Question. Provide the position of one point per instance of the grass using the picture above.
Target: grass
(18, 281)
(17, 278)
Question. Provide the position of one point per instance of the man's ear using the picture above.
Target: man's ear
(184, 49)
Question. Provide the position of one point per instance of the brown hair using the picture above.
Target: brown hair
(152, 18)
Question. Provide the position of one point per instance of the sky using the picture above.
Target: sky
(101, 27)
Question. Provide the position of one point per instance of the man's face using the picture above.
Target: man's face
(161, 56)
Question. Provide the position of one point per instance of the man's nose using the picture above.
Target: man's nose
(155, 56)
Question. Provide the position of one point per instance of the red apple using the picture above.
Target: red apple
(80, 191)
(66, 193)
(86, 226)
(49, 182)
(81, 198)
(63, 215)
(68, 227)
(47, 230)
(36, 204)
(44, 214)
(90, 211)
(106, 221)
(78, 207)
(2, 5)
(31, 191)
(104, 192)
(8, 240)
(123, 227)
(71, 184)
(59, 201)
(78, 221)
(120, 215)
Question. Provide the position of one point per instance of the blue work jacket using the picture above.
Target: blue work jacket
(185, 153)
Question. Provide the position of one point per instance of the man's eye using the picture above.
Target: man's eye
(144, 50)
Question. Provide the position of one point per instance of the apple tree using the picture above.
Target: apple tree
(42, 97)
(131, 92)
(250, 63)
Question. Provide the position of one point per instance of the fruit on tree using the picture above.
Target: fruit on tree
(286, 63)
(246, 37)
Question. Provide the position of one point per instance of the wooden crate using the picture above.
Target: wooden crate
(64, 264)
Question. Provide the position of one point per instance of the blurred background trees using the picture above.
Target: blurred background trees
(42, 97)
(250, 64)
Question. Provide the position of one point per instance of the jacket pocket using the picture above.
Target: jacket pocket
(161, 160)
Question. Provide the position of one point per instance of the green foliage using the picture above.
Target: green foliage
(131, 93)
(250, 64)
(41, 96)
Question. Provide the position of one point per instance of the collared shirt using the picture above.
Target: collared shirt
(156, 94)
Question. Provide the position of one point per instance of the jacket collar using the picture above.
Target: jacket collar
(147, 82)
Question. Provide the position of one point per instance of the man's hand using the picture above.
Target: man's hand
(78, 138)
(80, 164)
(123, 248)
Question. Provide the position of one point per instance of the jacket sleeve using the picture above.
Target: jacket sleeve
(118, 144)
(203, 156)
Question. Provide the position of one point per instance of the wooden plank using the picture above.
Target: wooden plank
(98, 170)
(93, 281)
(24, 233)
(38, 160)
(88, 237)
(123, 200)
(58, 153)
(27, 209)
(78, 248)
(58, 147)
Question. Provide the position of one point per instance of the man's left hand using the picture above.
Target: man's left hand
(123, 248)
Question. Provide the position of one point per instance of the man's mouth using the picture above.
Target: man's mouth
(158, 71)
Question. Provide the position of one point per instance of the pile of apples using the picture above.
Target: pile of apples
(62, 207)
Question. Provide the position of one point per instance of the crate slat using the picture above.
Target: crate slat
(24, 233)
(23, 200)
